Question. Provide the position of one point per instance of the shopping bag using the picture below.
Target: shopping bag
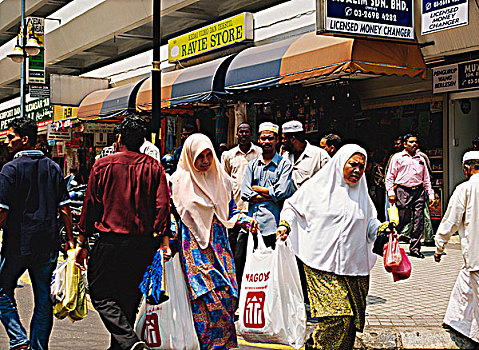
(71, 295)
(57, 285)
(169, 325)
(393, 214)
(403, 271)
(271, 305)
(392, 254)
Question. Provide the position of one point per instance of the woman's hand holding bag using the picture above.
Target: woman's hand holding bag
(392, 254)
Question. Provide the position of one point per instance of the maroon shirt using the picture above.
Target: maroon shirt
(127, 194)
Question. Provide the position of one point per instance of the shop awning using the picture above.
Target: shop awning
(311, 56)
(181, 87)
(109, 103)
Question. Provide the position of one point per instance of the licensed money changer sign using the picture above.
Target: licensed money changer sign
(392, 19)
(215, 36)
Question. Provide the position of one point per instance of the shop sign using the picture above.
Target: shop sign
(36, 64)
(456, 77)
(58, 134)
(100, 139)
(64, 112)
(39, 91)
(215, 36)
(392, 19)
(91, 128)
(439, 15)
(39, 110)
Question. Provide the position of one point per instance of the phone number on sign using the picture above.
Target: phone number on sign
(390, 17)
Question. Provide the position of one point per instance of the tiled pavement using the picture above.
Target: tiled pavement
(408, 314)
(420, 300)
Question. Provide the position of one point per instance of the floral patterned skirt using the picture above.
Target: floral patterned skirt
(340, 304)
(213, 316)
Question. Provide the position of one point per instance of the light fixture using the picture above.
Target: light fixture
(32, 48)
(17, 54)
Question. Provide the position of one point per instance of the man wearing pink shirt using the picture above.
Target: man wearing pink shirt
(406, 180)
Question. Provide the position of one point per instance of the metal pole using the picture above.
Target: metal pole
(156, 73)
(24, 63)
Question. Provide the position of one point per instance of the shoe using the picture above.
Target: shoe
(417, 255)
(23, 346)
(140, 345)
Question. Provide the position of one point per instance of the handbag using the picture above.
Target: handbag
(392, 254)
(153, 285)
(403, 271)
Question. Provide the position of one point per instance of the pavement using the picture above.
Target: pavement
(408, 314)
(400, 315)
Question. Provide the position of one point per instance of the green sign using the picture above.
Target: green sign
(39, 110)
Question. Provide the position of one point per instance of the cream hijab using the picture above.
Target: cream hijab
(199, 195)
(333, 224)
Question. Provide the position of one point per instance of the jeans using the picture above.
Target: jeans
(40, 268)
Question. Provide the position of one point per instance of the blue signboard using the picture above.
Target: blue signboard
(443, 14)
(392, 19)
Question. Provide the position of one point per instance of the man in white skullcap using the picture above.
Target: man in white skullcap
(306, 158)
(267, 183)
(462, 216)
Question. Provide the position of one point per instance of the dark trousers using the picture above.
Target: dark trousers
(240, 252)
(410, 202)
(304, 282)
(115, 270)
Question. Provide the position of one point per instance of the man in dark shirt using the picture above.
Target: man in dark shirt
(127, 202)
(32, 189)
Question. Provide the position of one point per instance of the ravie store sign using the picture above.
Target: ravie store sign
(456, 77)
(443, 14)
(392, 19)
(215, 36)
(39, 110)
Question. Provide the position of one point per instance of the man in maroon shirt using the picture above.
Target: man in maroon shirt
(127, 202)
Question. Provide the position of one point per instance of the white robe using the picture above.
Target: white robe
(462, 313)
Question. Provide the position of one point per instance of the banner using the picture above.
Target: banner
(393, 19)
(439, 15)
(36, 64)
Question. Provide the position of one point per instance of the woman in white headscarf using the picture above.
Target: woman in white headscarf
(202, 196)
(332, 224)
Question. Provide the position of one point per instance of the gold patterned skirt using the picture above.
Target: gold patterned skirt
(340, 304)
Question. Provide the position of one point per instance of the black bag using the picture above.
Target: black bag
(383, 238)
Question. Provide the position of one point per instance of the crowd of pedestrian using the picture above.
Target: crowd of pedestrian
(315, 198)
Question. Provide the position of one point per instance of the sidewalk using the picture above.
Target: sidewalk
(408, 314)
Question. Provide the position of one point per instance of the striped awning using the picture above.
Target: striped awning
(311, 56)
(109, 103)
(202, 82)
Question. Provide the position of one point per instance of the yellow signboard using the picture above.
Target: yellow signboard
(64, 112)
(215, 36)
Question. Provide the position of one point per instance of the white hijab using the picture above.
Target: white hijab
(333, 224)
(199, 195)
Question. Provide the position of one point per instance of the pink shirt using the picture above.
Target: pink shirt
(409, 171)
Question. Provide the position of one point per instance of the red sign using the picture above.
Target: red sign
(254, 310)
(151, 330)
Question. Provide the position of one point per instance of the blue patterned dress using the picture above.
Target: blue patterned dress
(211, 280)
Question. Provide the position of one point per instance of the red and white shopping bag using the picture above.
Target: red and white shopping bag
(169, 325)
(271, 302)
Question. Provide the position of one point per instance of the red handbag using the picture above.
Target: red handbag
(403, 271)
(391, 254)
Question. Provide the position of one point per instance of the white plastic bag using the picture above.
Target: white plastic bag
(169, 325)
(271, 301)
(57, 285)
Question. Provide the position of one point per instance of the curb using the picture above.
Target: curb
(412, 338)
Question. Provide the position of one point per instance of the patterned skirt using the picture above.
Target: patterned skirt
(340, 304)
(213, 316)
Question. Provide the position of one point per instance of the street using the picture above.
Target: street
(406, 314)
